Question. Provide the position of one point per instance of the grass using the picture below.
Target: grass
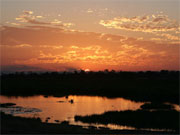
(18, 125)
(138, 119)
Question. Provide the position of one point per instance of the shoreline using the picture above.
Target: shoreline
(18, 125)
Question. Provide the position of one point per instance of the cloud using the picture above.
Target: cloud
(128, 55)
(154, 23)
(60, 38)
(39, 16)
(89, 11)
(56, 21)
(44, 45)
(169, 36)
(34, 35)
(74, 53)
(29, 17)
(16, 24)
(20, 46)
(46, 57)
(28, 12)
(51, 46)
(100, 12)
(68, 24)
(33, 21)
(113, 38)
(41, 35)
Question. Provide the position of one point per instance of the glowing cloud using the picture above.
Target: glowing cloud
(154, 23)
(29, 17)
(46, 45)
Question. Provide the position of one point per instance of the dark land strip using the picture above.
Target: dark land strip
(150, 86)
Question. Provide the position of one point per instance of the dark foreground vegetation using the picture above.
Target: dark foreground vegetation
(151, 86)
(18, 125)
(139, 119)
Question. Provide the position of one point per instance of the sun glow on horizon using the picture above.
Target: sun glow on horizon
(87, 70)
(68, 37)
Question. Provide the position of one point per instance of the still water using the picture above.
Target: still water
(58, 109)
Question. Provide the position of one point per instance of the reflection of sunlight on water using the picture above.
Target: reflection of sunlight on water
(60, 108)
(151, 129)
(82, 105)
(115, 127)
(177, 107)
(19, 110)
(98, 126)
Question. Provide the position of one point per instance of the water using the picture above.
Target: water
(61, 109)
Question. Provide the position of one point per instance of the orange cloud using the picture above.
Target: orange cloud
(43, 45)
(154, 23)
(90, 11)
(28, 12)
(29, 17)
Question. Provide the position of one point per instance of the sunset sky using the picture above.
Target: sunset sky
(130, 35)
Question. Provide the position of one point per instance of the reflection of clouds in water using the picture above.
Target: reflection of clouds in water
(59, 108)
(176, 107)
(62, 109)
(19, 110)
(99, 126)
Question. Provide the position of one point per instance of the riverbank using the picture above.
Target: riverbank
(18, 125)
(140, 119)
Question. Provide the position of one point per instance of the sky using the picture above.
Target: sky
(67, 35)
